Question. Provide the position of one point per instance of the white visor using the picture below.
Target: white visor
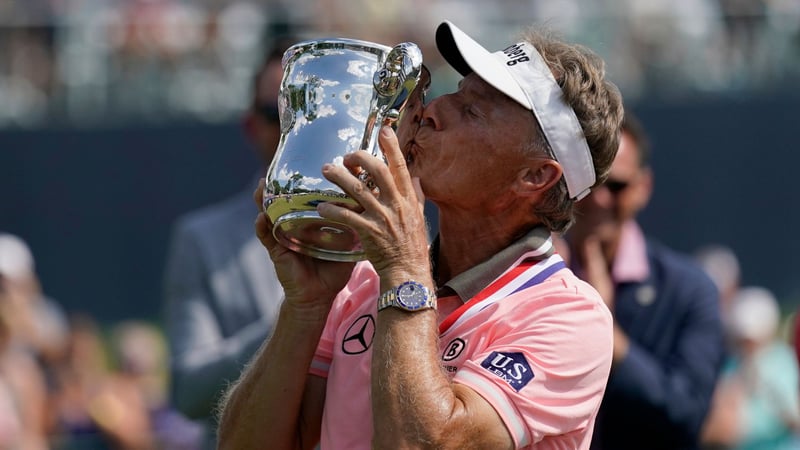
(520, 72)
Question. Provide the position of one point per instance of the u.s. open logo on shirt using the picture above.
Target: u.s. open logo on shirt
(512, 368)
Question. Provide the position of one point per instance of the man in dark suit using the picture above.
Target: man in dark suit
(221, 292)
(668, 338)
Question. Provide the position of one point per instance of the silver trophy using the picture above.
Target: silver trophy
(335, 95)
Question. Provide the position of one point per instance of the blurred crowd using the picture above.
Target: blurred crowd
(756, 404)
(93, 62)
(69, 382)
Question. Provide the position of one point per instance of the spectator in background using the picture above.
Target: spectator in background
(759, 382)
(39, 323)
(221, 291)
(140, 351)
(32, 332)
(668, 340)
(91, 407)
(720, 430)
(722, 266)
(23, 393)
(115, 400)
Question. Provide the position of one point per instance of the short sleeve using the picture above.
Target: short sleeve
(545, 370)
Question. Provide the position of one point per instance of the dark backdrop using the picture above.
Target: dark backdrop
(96, 206)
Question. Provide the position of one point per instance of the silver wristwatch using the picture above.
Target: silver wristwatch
(409, 296)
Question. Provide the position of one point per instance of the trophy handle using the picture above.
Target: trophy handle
(395, 81)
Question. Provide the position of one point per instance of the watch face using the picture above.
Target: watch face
(412, 295)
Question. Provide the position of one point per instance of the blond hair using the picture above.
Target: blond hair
(598, 106)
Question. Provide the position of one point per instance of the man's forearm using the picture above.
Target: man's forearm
(414, 403)
(263, 408)
(411, 396)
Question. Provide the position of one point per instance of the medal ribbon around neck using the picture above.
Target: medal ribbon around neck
(528, 272)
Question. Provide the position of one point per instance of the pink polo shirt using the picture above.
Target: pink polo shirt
(540, 356)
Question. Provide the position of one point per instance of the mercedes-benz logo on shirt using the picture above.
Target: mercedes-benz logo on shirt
(358, 337)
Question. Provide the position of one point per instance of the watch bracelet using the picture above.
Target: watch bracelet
(389, 298)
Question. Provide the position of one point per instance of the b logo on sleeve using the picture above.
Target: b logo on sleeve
(513, 368)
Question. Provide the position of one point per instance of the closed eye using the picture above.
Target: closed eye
(474, 111)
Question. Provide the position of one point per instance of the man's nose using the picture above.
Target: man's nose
(429, 114)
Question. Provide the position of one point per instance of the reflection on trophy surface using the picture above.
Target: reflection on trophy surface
(335, 95)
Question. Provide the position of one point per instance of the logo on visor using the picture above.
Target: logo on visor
(512, 368)
(515, 54)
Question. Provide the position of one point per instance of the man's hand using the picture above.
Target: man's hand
(596, 269)
(597, 273)
(306, 281)
(392, 224)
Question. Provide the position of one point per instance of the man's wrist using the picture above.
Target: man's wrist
(304, 313)
(409, 296)
(396, 276)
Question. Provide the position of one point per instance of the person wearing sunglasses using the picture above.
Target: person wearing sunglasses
(484, 339)
(668, 338)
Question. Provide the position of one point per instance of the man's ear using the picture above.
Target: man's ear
(538, 177)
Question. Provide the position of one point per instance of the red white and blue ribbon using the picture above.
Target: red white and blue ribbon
(525, 273)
